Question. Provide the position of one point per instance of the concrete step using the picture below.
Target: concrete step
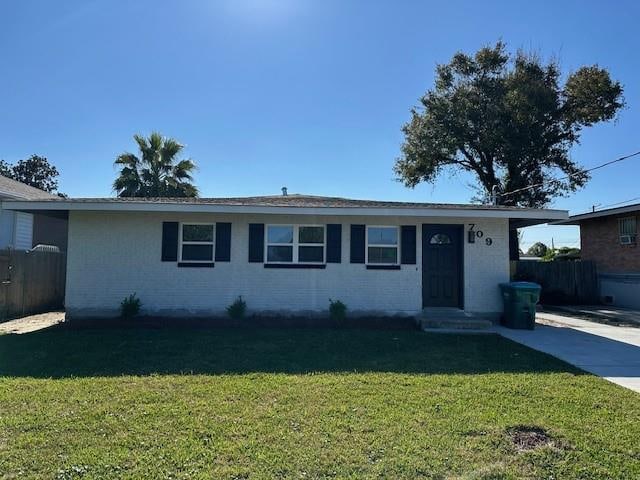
(455, 324)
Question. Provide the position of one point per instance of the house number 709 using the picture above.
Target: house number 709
(479, 234)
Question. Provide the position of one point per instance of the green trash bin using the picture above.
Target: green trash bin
(520, 300)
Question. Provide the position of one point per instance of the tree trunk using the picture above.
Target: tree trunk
(514, 248)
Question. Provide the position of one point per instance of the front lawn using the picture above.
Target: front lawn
(285, 403)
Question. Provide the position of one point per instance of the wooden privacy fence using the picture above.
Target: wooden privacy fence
(32, 282)
(563, 282)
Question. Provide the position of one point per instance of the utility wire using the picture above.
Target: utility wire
(572, 175)
(600, 207)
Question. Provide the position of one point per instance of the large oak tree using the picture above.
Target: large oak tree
(511, 120)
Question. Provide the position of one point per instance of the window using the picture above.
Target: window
(627, 228)
(440, 239)
(196, 242)
(382, 245)
(279, 243)
(295, 244)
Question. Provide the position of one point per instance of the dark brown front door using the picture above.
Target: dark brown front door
(442, 265)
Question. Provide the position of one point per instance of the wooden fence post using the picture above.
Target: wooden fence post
(562, 281)
(32, 282)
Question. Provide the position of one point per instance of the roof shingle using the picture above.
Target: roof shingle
(290, 200)
(16, 190)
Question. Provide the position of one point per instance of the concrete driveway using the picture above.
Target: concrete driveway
(607, 351)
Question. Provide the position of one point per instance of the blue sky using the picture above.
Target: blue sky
(266, 93)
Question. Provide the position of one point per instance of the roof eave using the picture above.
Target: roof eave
(576, 219)
(568, 221)
(533, 215)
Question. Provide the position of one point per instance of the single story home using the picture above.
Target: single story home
(284, 254)
(23, 230)
(609, 238)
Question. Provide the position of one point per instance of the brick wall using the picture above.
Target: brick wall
(112, 255)
(600, 242)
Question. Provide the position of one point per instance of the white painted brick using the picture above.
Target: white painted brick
(113, 254)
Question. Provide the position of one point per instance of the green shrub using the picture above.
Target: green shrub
(130, 306)
(237, 309)
(337, 310)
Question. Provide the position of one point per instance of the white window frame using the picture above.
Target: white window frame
(396, 246)
(627, 238)
(212, 242)
(295, 244)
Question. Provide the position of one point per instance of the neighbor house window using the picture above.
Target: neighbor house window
(295, 243)
(627, 228)
(382, 245)
(196, 242)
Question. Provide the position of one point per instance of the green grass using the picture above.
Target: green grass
(172, 403)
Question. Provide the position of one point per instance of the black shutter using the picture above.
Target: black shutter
(334, 243)
(169, 241)
(408, 244)
(357, 243)
(223, 242)
(256, 242)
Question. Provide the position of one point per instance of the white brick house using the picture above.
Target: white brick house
(290, 254)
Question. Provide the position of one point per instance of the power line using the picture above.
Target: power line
(617, 203)
(530, 227)
(566, 241)
(620, 159)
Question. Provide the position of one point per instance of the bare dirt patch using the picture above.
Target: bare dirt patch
(32, 323)
(527, 438)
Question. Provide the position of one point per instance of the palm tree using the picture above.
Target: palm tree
(157, 172)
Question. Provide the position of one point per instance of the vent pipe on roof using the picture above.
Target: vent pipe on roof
(284, 191)
(494, 195)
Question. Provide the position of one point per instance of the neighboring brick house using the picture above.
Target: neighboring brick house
(610, 239)
(289, 253)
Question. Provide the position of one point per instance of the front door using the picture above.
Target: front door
(442, 265)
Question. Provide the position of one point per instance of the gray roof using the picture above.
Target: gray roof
(576, 219)
(293, 204)
(11, 189)
(290, 200)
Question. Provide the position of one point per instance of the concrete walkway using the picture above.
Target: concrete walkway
(32, 323)
(607, 351)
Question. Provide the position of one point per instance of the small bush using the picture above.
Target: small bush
(337, 310)
(130, 306)
(237, 309)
